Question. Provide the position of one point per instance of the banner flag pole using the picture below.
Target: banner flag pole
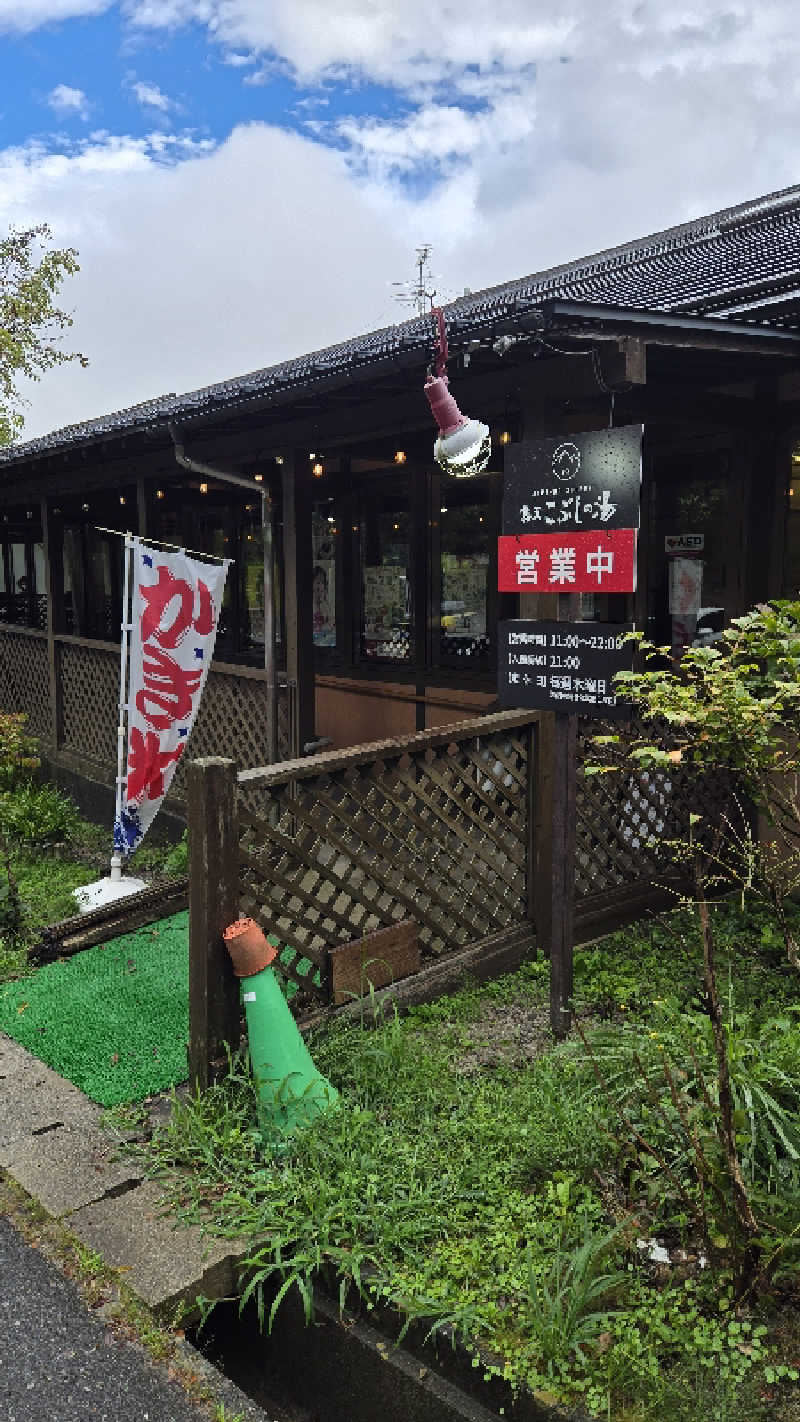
(131, 542)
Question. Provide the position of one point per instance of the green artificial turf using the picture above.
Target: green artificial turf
(113, 1019)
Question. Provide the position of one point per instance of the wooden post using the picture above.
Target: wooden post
(53, 585)
(554, 847)
(298, 568)
(214, 1014)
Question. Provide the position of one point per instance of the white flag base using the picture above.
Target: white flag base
(106, 891)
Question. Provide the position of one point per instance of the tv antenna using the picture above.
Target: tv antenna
(418, 293)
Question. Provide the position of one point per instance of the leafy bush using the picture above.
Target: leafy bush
(176, 861)
(19, 752)
(37, 815)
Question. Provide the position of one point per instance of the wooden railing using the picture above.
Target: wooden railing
(435, 827)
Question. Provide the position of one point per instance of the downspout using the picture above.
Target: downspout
(197, 466)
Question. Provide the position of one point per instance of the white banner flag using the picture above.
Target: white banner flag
(175, 604)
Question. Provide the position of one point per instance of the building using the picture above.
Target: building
(385, 569)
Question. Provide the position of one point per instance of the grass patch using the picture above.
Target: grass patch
(465, 1184)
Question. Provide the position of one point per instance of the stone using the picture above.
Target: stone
(67, 1167)
(164, 1262)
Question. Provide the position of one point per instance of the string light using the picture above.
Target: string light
(318, 470)
(259, 478)
(159, 493)
(505, 437)
(85, 508)
(278, 460)
(204, 488)
(399, 456)
(122, 498)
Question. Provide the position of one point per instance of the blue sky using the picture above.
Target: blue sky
(195, 85)
(245, 180)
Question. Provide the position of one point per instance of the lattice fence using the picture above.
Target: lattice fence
(90, 692)
(433, 828)
(232, 721)
(24, 680)
(622, 819)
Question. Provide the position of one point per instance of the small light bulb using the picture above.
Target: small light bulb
(122, 498)
(399, 456)
(318, 470)
(395, 527)
(159, 493)
(505, 437)
(204, 488)
(85, 508)
(312, 454)
(259, 478)
(278, 460)
(443, 509)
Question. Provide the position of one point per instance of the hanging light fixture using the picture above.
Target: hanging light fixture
(464, 446)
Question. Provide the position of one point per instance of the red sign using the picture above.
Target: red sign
(602, 561)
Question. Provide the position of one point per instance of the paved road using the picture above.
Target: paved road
(58, 1363)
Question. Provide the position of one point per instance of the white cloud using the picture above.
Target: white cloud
(151, 97)
(518, 145)
(27, 15)
(191, 272)
(68, 102)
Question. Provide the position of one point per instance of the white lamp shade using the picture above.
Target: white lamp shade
(466, 451)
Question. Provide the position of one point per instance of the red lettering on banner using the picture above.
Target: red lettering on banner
(168, 687)
(158, 597)
(146, 765)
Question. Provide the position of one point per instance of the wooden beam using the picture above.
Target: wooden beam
(52, 573)
(634, 350)
(297, 581)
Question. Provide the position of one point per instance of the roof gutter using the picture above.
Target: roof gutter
(674, 329)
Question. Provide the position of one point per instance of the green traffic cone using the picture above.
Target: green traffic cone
(290, 1090)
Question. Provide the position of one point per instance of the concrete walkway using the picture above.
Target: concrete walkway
(57, 1360)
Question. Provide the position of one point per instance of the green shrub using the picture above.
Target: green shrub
(19, 752)
(37, 815)
(176, 861)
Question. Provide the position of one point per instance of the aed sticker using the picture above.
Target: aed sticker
(248, 997)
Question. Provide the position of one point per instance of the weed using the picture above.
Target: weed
(565, 1296)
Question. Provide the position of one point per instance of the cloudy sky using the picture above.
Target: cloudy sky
(245, 179)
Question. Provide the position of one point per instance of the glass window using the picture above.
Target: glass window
(73, 574)
(464, 571)
(324, 533)
(387, 620)
(252, 576)
(104, 567)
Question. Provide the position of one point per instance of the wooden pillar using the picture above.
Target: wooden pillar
(297, 573)
(53, 589)
(554, 845)
(214, 1014)
(141, 507)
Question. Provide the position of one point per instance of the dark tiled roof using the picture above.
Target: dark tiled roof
(743, 261)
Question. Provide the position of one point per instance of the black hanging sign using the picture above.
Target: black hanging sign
(563, 666)
(574, 483)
